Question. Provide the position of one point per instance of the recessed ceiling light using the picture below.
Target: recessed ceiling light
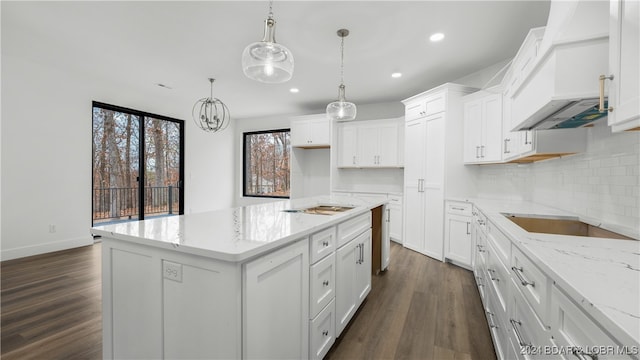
(436, 37)
(294, 90)
(396, 75)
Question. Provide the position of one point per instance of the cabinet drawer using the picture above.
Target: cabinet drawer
(353, 227)
(395, 200)
(532, 282)
(525, 327)
(322, 332)
(498, 276)
(322, 243)
(322, 284)
(459, 208)
(571, 327)
(498, 330)
(501, 243)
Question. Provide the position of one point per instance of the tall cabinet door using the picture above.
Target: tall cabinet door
(434, 186)
(346, 263)
(414, 169)
(363, 270)
(347, 146)
(368, 146)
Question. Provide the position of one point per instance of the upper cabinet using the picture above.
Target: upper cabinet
(483, 127)
(429, 105)
(624, 65)
(371, 144)
(311, 132)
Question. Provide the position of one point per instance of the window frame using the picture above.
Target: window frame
(142, 115)
(244, 162)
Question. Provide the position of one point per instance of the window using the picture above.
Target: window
(138, 165)
(266, 163)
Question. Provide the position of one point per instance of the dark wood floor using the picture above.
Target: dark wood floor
(419, 309)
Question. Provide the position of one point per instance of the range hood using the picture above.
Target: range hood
(564, 114)
(561, 89)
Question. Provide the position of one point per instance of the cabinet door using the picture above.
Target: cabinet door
(472, 131)
(624, 57)
(319, 132)
(299, 133)
(368, 146)
(388, 145)
(363, 267)
(458, 239)
(395, 222)
(491, 146)
(346, 263)
(276, 301)
(434, 187)
(414, 173)
(347, 146)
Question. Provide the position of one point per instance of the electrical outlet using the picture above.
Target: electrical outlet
(172, 271)
(52, 228)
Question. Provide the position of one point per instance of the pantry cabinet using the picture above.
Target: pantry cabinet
(433, 150)
(371, 144)
(483, 126)
(311, 132)
(624, 60)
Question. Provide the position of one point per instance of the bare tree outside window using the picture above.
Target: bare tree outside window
(266, 163)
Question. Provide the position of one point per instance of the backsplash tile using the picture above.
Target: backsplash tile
(601, 183)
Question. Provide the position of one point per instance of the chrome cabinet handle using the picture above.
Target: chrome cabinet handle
(482, 151)
(526, 138)
(480, 248)
(457, 208)
(515, 324)
(325, 283)
(354, 159)
(583, 355)
(468, 231)
(492, 324)
(523, 281)
(388, 215)
(325, 243)
(491, 271)
(477, 149)
(601, 107)
(325, 333)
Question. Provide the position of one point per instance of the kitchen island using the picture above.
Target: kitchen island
(260, 281)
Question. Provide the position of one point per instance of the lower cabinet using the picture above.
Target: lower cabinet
(276, 304)
(323, 331)
(353, 278)
(457, 233)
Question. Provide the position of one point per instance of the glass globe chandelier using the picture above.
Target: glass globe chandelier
(266, 61)
(341, 110)
(211, 114)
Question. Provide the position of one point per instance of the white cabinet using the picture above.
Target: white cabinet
(276, 304)
(624, 65)
(353, 277)
(433, 167)
(419, 107)
(311, 132)
(323, 332)
(483, 127)
(457, 233)
(394, 217)
(370, 144)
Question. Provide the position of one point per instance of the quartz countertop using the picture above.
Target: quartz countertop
(236, 234)
(602, 275)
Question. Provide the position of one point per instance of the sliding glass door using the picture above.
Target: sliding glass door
(125, 142)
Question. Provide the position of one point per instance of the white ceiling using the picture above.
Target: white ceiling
(181, 44)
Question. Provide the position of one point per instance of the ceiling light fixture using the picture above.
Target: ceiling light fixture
(396, 75)
(436, 37)
(211, 114)
(294, 90)
(266, 61)
(341, 110)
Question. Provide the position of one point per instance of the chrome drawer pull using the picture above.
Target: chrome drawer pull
(582, 355)
(492, 324)
(480, 248)
(325, 283)
(325, 243)
(325, 333)
(457, 208)
(523, 281)
(516, 324)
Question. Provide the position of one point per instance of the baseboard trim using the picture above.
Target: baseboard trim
(10, 254)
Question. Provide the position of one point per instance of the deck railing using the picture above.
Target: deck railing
(124, 203)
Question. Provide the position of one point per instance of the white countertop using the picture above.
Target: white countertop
(602, 275)
(236, 234)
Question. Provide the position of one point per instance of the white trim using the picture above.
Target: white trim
(9, 254)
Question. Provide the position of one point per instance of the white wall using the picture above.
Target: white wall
(46, 153)
(601, 183)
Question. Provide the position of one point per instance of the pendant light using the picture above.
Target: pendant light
(211, 114)
(341, 110)
(266, 61)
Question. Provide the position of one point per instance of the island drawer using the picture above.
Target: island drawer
(351, 228)
(322, 332)
(322, 284)
(322, 244)
(532, 282)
